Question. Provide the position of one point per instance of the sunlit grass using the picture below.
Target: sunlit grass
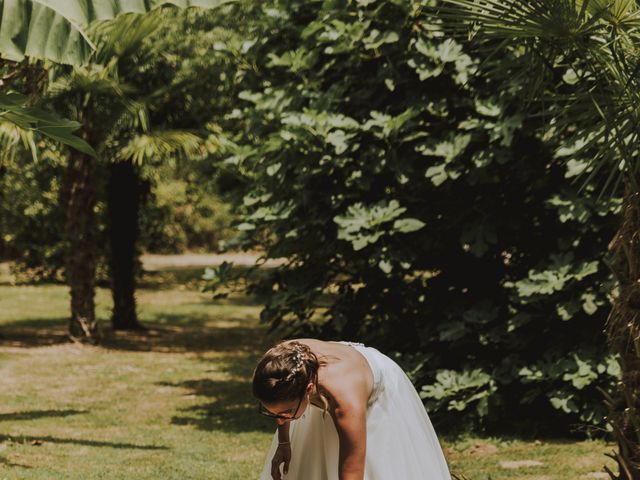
(170, 403)
(501, 459)
(174, 402)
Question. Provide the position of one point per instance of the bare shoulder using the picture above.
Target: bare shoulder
(348, 383)
(345, 373)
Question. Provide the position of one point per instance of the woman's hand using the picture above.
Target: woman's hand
(282, 455)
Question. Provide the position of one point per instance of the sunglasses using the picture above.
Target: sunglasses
(263, 411)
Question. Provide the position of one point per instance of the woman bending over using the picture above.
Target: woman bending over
(344, 412)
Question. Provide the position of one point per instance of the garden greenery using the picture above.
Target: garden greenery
(421, 211)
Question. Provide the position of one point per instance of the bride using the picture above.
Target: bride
(344, 412)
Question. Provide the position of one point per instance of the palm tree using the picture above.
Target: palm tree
(580, 61)
(57, 30)
(126, 190)
(115, 118)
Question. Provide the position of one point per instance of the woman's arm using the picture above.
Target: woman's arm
(283, 452)
(351, 423)
(283, 432)
(350, 391)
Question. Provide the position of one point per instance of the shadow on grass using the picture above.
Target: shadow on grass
(169, 339)
(35, 414)
(156, 338)
(212, 316)
(38, 440)
(34, 333)
(228, 404)
(7, 463)
(195, 331)
(231, 409)
(28, 439)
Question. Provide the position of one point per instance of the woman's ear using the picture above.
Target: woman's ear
(310, 387)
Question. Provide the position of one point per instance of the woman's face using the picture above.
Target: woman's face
(288, 410)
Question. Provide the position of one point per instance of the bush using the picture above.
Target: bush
(31, 220)
(420, 212)
(180, 217)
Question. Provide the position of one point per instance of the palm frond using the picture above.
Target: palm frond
(597, 40)
(120, 42)
(158, 145)
(132, 116)
(552, 19)
(97, 80)
(125, 36)
(616, 12)
(113, 100)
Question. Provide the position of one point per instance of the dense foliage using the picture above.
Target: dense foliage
(30, 216)
(421, 212)
(183, 216)
(181, 209)
(596, 44)
(180, 214)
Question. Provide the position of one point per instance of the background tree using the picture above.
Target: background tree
(156, 65)
(176, 67)
(115, 118)
(25, 128)
(65, 40)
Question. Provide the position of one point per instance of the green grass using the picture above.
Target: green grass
(494, 459)
(174, 402)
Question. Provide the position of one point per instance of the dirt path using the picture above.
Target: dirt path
(153, 262)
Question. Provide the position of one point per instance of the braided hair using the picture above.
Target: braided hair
(284, 372)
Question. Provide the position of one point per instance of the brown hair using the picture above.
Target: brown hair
(284, 372)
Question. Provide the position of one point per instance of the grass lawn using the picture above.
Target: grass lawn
(175, 402)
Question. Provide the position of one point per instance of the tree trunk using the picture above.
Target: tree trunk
(123, 204)
(623, 333)
(80, 232)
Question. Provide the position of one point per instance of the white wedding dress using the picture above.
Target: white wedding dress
(401, 442)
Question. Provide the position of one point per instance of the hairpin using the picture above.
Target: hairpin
(298, 357)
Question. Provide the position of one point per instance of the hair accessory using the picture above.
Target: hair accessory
(298, 358)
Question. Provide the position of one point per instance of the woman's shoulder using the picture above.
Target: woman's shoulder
(346, 374)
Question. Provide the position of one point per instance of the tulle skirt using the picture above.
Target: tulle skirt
(401, 442)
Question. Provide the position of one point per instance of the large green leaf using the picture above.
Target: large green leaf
(14, 108)
(55, 29)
